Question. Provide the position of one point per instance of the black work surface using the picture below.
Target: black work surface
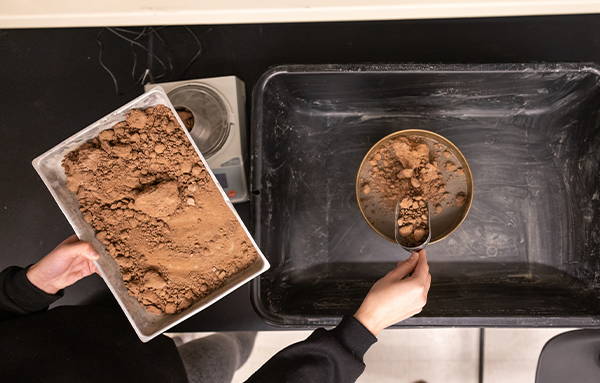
(52, 86)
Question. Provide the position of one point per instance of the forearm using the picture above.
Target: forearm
(326, 356)
(18, 296)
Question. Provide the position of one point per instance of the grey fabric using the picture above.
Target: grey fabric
(215, 358)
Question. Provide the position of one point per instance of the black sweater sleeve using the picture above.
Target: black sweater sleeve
(18, 296)
(325, 357)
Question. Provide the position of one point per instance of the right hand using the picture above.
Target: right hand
(396, 297)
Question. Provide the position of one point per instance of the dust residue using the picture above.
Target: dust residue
(143, 188)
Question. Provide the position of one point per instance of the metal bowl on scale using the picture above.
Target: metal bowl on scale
(209, 125)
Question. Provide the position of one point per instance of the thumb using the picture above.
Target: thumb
(72, 239)
(85, 249)
(406, 267)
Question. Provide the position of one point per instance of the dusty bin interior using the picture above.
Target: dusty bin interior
(528, 253)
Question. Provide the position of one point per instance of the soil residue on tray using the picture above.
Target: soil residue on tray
(145, 191)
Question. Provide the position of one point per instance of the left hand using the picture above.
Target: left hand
(71, 261)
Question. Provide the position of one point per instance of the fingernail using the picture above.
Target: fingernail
(94, 255)
(414, 255)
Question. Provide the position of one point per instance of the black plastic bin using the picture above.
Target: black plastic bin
(528, 253)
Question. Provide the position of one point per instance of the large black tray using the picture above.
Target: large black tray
(527, 254)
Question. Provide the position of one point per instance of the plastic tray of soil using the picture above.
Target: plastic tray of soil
(48, 165)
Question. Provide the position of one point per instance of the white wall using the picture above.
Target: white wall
(78, 13)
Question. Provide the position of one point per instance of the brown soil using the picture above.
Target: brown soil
(412, 223)
(460, 199)
(145, 191)
(187, 118)
(403, 170)
(450, 167)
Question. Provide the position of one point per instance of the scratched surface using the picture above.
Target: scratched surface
(530, 246)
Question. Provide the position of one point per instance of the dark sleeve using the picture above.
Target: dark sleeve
(18, 296)
(325, 357)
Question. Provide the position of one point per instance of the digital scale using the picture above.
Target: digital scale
(217, 123)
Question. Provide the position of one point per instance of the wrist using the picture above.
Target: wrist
(368, 320)
(40, 282)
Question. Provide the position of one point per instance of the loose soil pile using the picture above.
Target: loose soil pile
(405, 171)
(145, 191)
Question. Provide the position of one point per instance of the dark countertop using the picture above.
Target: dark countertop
(52, 86)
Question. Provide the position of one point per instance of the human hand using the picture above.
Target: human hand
(63, 266)
(396, 297)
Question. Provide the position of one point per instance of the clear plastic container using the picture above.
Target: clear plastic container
(48, 166)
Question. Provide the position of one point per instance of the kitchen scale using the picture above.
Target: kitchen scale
(213, 110)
